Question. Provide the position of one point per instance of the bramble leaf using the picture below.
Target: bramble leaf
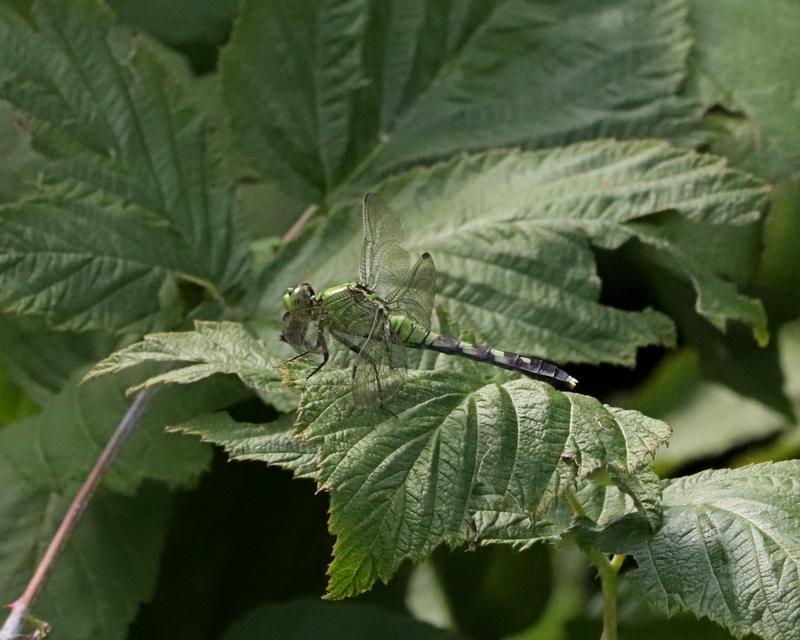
(373, 86)
(127, 221)
(751, 74)
(728, 549)
(212, 348)
(61, 444)
(511, 232)
(452, 450)
(459, 453)
(274, 443)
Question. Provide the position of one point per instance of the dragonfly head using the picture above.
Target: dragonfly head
(299, 298)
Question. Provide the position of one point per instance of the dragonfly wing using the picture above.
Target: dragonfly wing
(378, 373)
(415, 295)
(384, 263)
(380, 364)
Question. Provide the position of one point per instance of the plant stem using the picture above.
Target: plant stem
(300, 224)
(608, 570)
(576, 505)
(20, 608)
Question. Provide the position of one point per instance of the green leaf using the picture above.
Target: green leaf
(453, 449)
(779, 269)
(510, 233)
(301, 619)
(127, 221)
(274, 443)
(728, 550)
(707, 418)
(43, 362)
(19, 163)
(717, 299)
(373, 86)
(14, 404)
(108, 567)
(744, 59)
(214, 347)
(61, 444)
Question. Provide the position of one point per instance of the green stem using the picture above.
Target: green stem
(608, 570)
(576, 505)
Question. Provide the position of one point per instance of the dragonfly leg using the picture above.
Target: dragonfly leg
(323, 346)
(293, 358)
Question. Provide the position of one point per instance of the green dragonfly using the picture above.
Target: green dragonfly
(386, 311)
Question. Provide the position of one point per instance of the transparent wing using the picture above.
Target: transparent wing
(380, 365)
(415, 295)
(384, 262)
(352, 313)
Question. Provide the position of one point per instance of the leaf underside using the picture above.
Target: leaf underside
(511, 234)
(727, 550)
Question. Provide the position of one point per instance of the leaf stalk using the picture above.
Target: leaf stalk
(608, 570)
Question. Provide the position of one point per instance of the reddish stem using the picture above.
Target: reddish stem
(20, 608)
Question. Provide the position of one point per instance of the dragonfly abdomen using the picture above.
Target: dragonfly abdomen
(417, 337)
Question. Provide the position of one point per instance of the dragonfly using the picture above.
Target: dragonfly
(384, 313)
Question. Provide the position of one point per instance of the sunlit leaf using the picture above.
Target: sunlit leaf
(452, 449)
(728, 550)
(744, 60)
(212, 348)
(274, 443)
(511, 235)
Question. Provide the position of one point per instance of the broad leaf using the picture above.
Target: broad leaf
(61, 444)
(370, 86)
(510, 233)
(108, 567)
(274, 443)
(779, 269)
(213, 348)
(744, 60)
(728, 550)
(127, 221)
(707, 418)
(301, 619)
(454, 445)
(19, 163)
(14, 404)
(43, 362)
